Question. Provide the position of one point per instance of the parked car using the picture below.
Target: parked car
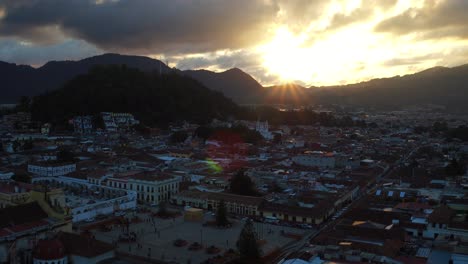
(180, 243)
(195, 246)
(212, 250)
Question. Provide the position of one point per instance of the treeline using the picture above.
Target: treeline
(153, 98)
(302, 117)
(231, 135)
(157, 100)
(441, 128)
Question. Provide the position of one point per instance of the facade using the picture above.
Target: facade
(315, 159)
(235, 204)
(83, 124)
(51, 169)
(264, 130)
(149, 187)
(115, 121)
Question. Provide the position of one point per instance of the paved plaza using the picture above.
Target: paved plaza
(156, 240)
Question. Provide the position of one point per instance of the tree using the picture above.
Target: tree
(277, 138)
(21, 177)
(24, 104)
(455, 168)
(178, 137)
(242, 184)
(203, 132)
(65, 156)
(162, 208)
(221, 214)
(247, 244)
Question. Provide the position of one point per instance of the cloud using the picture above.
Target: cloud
(434, 20)
(411, 60)
(27, 53)
(141, 26)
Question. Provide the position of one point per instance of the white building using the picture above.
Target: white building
(83, 124)
(51, 169)
(116, 121)
(315, 159)
(149, 187)
(264, 130)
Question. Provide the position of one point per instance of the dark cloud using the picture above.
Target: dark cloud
(434, 20)
(143, 26)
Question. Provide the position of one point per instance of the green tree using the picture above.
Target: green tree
(24, 104)
(277, 138)
(65, 156)
(242, 184)
(162, 210)
(178, 137)
(203, 132)
(21, 177)
(221, 214)
(247, 244)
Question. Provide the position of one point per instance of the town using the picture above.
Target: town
(389, 187)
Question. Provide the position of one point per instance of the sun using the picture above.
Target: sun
(284, 56)
(327, 60)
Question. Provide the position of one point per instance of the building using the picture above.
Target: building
(83, 124)
(264, 130)
(315, 159)
(64, 247)
(150, 187)
(16, 193)
(21, 226)
(118, 121)
(51, 169)
(235, 204)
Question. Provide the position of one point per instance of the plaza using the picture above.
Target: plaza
(155, 237)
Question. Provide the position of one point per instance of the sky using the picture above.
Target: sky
(310, 42)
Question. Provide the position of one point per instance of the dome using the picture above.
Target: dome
(49, 249)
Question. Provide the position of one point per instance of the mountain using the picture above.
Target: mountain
(233, 83)
(440, 86)
(20, 80)
(153, 98)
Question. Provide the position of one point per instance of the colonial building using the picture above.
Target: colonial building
(150, 187)
(51, 169)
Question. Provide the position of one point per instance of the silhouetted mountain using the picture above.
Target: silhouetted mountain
(15, 81)
(19, 80)
(153, 98)
(441, 86)
(233, 83)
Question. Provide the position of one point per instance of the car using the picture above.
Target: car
(195, 246)
(89, 220)
(180, 243)
(212, 250)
